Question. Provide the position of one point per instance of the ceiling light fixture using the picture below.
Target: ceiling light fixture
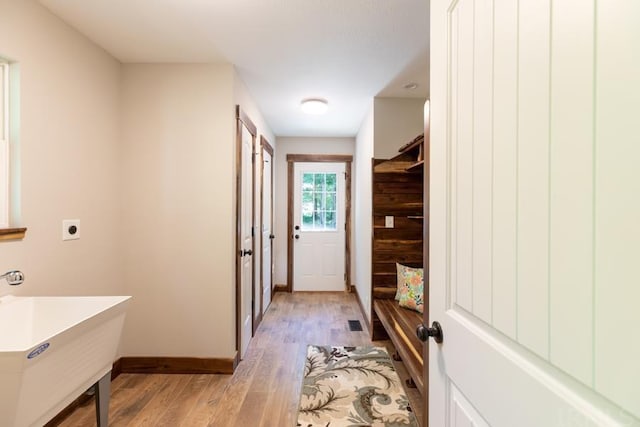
(314, 105)
(411, 86)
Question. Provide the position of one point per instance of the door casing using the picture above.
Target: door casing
(425, 254)
(319, 257)
(318, 158)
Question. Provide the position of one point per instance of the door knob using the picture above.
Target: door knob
(271, 236)
(247, 252)
(297, 227)
(297, 236)
(434, 331)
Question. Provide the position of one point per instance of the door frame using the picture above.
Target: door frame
(266, 147)
(426, 150)
(292, 159)
(243, 120)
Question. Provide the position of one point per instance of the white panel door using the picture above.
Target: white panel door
(257, 239)
(246, 249)
(319, 227)
(267, 228)
(534, 213)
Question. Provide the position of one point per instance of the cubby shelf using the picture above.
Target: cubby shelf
(398, 192)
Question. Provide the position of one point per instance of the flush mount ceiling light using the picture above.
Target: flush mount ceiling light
(314, 105)
(411, 86)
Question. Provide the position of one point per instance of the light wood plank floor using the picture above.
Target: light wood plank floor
(264, 389)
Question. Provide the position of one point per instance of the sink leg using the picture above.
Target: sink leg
(103, 390)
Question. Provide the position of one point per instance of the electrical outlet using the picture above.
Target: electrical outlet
(70, 229)
(388, 221)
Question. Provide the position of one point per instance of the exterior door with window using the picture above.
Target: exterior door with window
(534, 213)
(319, 227)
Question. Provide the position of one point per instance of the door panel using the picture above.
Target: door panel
(319, 212)
(571, 202)
(329, 260)
(533, 177)
(482, 161)
(463, 414)
(504, 201)
(617, 207)
(533, 214)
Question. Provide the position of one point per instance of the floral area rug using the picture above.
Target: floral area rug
(352, 386)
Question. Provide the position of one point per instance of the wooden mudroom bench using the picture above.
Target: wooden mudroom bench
(400, 324)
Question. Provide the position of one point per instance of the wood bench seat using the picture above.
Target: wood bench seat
(400, 324)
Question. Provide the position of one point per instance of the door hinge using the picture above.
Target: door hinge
(253, 232)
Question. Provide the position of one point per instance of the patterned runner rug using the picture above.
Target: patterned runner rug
(352, 386)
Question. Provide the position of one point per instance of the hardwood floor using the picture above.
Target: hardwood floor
(264, 389)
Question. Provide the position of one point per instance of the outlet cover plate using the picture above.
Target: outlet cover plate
(70, 229)
(388, 221)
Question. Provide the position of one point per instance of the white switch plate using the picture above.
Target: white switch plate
(388, 221)
(70, 229)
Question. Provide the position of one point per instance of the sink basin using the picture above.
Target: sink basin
(51, 350)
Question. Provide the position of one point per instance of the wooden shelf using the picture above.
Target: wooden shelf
(13, 233)
(398, 191)
(416, 167)
(393, 167)
(415, 143)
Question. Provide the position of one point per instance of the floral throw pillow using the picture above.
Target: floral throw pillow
(400, 283)
(410, 292)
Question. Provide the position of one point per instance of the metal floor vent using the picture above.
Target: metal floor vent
(354, 325)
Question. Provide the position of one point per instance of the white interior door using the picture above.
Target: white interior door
(257, 240)
(319, 227)
(246, 249)
(267, 227)
(534, 213)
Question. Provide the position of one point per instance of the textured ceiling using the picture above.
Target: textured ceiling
(346, 51)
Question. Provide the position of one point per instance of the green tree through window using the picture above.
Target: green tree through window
(318, 201)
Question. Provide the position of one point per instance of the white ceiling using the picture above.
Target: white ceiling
(346, 51)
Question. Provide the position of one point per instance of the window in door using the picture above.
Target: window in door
(9, 155)
(318, 202)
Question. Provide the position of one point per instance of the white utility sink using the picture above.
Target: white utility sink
(52, 349)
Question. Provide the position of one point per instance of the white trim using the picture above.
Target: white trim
(4, 131)
(4, 148)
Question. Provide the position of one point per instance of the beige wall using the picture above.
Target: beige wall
(396, 122)
(69, 166)
(178, 161)
(363, 210)
(296, 145)
(243, 98)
